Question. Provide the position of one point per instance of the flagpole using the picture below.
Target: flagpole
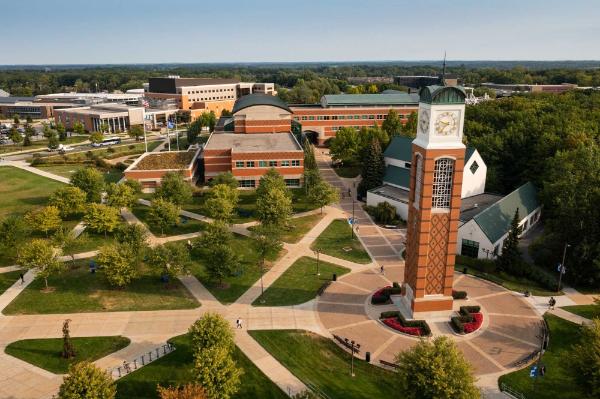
(145, 140)
(176, 131)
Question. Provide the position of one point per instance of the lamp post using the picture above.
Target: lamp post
(561, 267)
(317, 251)
(352, 224)
(353, 347)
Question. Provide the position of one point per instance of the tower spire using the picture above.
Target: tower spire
(444, 70)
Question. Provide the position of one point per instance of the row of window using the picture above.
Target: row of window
(343, 117)
(252, 183)
(211, 98)
(209, 91)
(267, 164)
(336, 128)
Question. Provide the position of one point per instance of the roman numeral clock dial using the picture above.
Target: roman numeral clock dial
(446, 124)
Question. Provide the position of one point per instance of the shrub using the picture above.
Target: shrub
(382, 295)
(468, 320)
(459, 294)
(395, 319)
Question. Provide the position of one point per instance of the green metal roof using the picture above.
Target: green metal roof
(400, 98)
(469, 153)
(495, 220)
(397, 176)
(399, 148)
(250, 100)
(436, 94)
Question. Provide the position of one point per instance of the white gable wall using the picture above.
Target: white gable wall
(472, 231)
(474, 183)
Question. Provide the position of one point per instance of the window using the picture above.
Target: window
(239, 164)
(272, 164)
(296, 162)
(247, 183)
(262, 164)
(418, 179)
(356, 116)
(469, 248)
(249, 164)
(296, 118)
(285, 163)
(292, 182)
(371, 116)
(311, 118)
(341, 117)
(442, 183)
(320, 117)
(304, 118)
(365, 117)
(474, 167)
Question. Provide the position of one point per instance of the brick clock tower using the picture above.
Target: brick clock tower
(434, 202)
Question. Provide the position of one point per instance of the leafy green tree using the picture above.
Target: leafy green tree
(209, 119)
(410, 127)
(174, 189)
(583, 361)
(120, 195)
(102, 218)
(104, 127)
(510, 259)
(29, 119)
(163, 214)
(211, 330)
(13, 231)
(53, 142)
(322, 194)
(226, 178)
(221, 202)
(135, 185)
(215, 247)
(195, 129)
(15, 136)
(345, 146)
(137, 132)
(62, 132)
(66, 239)
(90, 181)
(42, 256)
(96, 137)
(69, 200)
(78, 128)
(170, 259)
(435, 370)
(29, 132)
(310, 161)
(392, 124)
(86, 381)
(312, 178)
(46, 219)
(133, 235)
(274, 207)
(373, 169)
(119, 264)
(266, 241)
(16, 120)
(385, 213)
(270, 180)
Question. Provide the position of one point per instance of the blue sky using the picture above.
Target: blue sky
(135, 31)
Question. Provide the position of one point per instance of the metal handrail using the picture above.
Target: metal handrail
(140, 361)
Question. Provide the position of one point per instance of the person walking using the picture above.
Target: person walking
(381, 270)
(22, 276)
(551, 303)
(238, 323)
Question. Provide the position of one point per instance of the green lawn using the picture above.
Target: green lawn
(46, 353)
(22, 191)
(67, 170)
(39, 144)
(347, 171)
(176, 369)
(299, 283)
(556, 383)
(185, 226)
(320, 362)
(76, 290)
(518, 284)
(587, 311)
(336, 237)
(8, 279)
(233, 287)
(298, 228)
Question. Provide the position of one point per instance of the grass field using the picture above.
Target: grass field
(8, 279)
(299, 283)
(556, 383)
(46, 353)
(247, 274)
(39, 144)
(321, 363)
(335, 238)
(185, 226)
(22, 191)
(76, 290)
(298, 228)
(587, 311)
(176, 369)
(110, 176)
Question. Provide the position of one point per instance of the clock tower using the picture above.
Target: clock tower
(434, 201)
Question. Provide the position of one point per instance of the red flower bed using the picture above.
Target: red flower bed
(395, 324)
(475, 324)
(380, 292)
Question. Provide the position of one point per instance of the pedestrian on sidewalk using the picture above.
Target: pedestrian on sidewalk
(22, 278)
(381, 270)
(551, 303)
(238, 323)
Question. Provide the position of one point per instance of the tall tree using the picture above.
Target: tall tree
(322, 194)
(373, 169)
(90, 181)
(14, 230)
(46, 219)
(102, 218)
(345, 146)
(62, 131)
(583, 361)
(65, 239)
(226, 178)
(266, 241)
(310, 161)
(274, 207)
(392, 124)
(15, 136)
(221, 202)
(510, 259)
(119, 264)
(120, 195)
(78, 128)
(170, 259)
(42, 256)
(136, 131)
(410, 127)
(435, 370)
(211, 330)
(86, 381)
(134, 235)
(174, 189)
(69, 200)
(215, 246)
(163, 214)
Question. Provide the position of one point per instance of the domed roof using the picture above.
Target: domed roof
(442, 95)
(251, 100)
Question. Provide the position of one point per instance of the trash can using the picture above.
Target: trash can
(368, 357)
(464, 270)
(334, 278)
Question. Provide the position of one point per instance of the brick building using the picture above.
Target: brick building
(257, 137)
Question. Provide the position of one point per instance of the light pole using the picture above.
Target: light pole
(353, 347)
(561, 267)
(352, 224)
(317, 252)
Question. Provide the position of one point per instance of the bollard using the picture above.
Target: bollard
(464, 270)
(135, 364)
(368, 357)
(143, 364)
(150, 355)
(157, 353)
(334, 278)
(164, 349)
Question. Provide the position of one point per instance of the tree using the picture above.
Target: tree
(220, 259)
(15, 136)
(209, 119)
(187, 391)
(226, 178)
(137, 132)
(65, 239)
(78, 128)
(29, 119)
(310, 161)
(410, 127)
(69, 200)
(435, 370)
(68, 351)
(16, 119)
(102, 218)
(134, 235)
(13, 231)
(86, 381)
(266, 241)
(90, 181)
(135, 185)
(104, 127)
(211, 330)
(171, 259)
(195, 129)
(46, 219)
(312, 177)
(53, 142)
(163, 214)
(322, 194)
(392, 124)
(510, 259)
(345, 146)
(583, 361)
(385, 213)
(270, 180)
(29, 132)
(373, 169)
(274, 207)
(174, 189)
(120, 195)
(119, 264)
(40, 255)
(62, 132)
(96, 137)
(221, 202)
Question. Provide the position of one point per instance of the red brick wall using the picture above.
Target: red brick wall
(263, 126)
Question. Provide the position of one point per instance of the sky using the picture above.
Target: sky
(198, 31)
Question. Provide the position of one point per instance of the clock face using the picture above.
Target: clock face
(446, 124)
(424, 121)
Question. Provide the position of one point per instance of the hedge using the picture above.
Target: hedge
(459, 294)
(422, 324)
(467, 315)
(382, 295)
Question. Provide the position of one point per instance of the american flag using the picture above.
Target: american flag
(145, 103)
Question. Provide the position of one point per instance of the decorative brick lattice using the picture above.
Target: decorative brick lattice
(438, 251)
(410, 274)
